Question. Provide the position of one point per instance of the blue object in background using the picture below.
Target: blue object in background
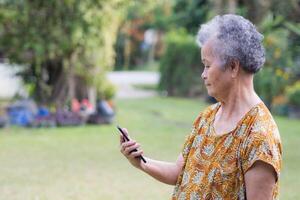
(22, 113)
(19, 115)
(103, 109)
(43, 112)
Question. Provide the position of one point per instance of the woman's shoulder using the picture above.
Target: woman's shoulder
(264, 123)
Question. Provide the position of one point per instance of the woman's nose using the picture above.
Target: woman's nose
(203, 75)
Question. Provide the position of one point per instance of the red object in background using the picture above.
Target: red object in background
(75, 105)
(85, 103)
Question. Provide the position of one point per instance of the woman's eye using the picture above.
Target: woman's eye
(207, 66)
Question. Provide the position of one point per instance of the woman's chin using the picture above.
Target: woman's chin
(210, 93)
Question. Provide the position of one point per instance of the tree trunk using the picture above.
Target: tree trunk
(127, 47)
(232, 6)
(59, 84)
(59, 91)
(218, 6)
(71, 77)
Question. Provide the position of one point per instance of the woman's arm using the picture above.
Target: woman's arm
(162, 171)
(260, 181)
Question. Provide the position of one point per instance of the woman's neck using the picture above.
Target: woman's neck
(240, 98)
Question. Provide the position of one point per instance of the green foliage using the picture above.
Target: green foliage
(294, 41)
(55, 37)
(276, 74)
(293, 27)
(105, 89)
(162, 16)
(293, 94)
(269, 84)
(190, 14)
(180, 65)
(140, 16)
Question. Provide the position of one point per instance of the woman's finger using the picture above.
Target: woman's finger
(137, 153)
(130, 149)
(128, 144)
(125, 145)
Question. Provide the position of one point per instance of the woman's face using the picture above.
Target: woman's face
(217, 80)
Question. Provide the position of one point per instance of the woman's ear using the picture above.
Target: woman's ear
(234, 67)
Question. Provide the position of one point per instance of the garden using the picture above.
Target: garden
(58, 135)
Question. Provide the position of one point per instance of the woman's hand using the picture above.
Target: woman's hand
(130, 149)
(163, 171)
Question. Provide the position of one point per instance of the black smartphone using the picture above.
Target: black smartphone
(127, 139)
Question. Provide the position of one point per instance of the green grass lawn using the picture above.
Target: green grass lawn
(84, 163)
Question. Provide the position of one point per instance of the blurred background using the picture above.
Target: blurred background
(70, 70)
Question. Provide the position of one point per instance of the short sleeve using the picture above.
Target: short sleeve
(262, 145)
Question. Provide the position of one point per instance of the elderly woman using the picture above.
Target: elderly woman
(234, 149)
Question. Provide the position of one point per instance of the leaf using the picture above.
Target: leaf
(294, 27)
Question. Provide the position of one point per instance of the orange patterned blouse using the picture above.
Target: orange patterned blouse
(214, 166)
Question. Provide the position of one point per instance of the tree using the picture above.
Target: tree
(59, 41)
(162, 16)
(190, 14)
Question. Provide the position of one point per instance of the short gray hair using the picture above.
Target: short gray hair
(236, 38)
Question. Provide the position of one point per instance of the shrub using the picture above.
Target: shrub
(104, 88)
(272, 80)
(107, 91)
(180, 65)
(293, 94)
(269, 84)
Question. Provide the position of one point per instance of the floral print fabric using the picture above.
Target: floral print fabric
(214, 166)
